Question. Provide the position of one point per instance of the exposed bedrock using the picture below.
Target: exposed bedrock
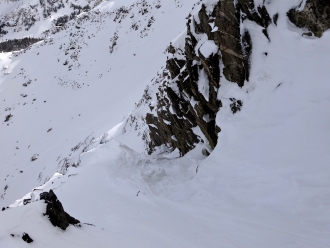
(315, 16)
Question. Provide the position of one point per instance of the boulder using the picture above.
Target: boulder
(315, 16)
(55, 211)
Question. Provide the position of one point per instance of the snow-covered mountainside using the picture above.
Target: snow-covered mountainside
(35, 18)
(228, 143)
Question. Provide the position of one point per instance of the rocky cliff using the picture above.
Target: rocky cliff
(182, 100)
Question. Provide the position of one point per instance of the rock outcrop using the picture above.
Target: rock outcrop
(27, 238)
(315, 16)
(181, 105)
(187, 97)
(55, 211)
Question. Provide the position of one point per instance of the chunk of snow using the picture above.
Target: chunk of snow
(208, 48)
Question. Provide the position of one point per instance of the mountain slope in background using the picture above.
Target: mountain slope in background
(265, 183)
(20, 18)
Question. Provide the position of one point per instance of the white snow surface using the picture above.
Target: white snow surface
(266, 184)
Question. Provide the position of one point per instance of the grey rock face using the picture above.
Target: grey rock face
(315, 16)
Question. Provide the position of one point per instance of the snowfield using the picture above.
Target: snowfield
(266, 184)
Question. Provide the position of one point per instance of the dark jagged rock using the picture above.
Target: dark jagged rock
(275, 18)
(315, 16)
(8, 117)
(261, 17)
(247, 51)
(27, 238)
(55, 211)
(174, 66)
(236, 105)
(17, 44)
(265, 32)
(26, 201)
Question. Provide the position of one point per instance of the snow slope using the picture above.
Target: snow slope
(81, 90)
(266, 184)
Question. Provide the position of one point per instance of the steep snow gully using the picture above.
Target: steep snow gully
(229, 145)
